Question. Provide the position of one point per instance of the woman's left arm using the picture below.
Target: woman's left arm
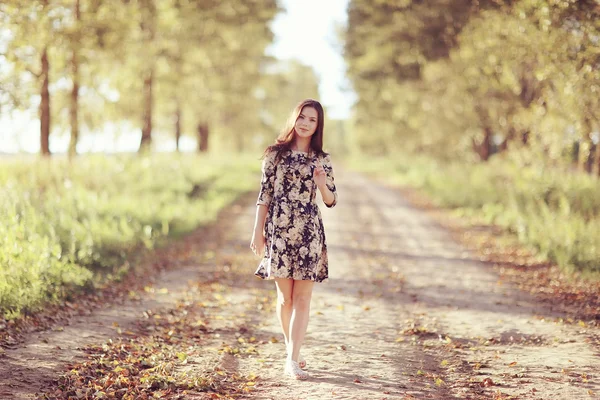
(325, 182)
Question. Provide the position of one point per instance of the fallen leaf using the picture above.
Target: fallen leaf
(487, 382)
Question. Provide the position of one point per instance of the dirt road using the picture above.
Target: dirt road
(407, 313)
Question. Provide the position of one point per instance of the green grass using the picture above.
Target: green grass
(555, 212)
(67, 226)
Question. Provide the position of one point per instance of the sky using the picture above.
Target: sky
(323, 18)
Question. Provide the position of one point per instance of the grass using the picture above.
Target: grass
(555, 212)
(68, 226)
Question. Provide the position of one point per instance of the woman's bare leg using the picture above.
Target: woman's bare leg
(284, 305)
(301, 295)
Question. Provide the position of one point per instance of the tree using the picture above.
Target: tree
(146, 63)
(484, 76)
(30, 30)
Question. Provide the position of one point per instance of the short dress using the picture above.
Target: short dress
(295, 246)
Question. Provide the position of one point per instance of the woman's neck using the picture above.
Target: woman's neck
(301, 144)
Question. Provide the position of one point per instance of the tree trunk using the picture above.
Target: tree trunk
(74, 111)
(597, 161)
(148, 27)
(525, 137)
(589, 162)
(146, 140)
(483, 148)
(45, 106)
(585, 146)
(486, 145)
(177, 126)
(203, 137)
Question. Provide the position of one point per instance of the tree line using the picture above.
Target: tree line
(177, 66)
(472, 78)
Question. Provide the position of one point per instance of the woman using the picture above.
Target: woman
(288, 227)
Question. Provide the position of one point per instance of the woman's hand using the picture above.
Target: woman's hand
(257, 244)
(319, 176)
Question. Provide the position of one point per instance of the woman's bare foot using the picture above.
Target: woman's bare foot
(301, 360)
(293, 369)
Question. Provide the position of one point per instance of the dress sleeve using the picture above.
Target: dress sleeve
(330, 180)
(267, 182)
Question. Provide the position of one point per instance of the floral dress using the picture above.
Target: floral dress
(295, 238)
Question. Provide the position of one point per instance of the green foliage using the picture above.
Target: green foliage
(556, 213)
(469, 78)
(72, 225)
(164, 65)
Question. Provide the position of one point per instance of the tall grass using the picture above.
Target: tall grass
(556, 212)
(68, 225)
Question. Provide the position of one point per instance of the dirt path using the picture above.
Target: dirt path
(407, 313)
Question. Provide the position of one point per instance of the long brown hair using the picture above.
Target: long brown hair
(284, 141)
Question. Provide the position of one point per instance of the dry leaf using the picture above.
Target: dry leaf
(487, 382)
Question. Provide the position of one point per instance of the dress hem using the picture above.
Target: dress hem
(272, 278)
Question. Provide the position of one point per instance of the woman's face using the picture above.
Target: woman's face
(307, 121)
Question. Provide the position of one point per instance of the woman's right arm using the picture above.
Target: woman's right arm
(262, 204)
(258, 236)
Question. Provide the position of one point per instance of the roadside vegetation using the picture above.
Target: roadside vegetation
(69, 226)
(555, 213)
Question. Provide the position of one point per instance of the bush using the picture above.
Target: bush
(70, 225)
